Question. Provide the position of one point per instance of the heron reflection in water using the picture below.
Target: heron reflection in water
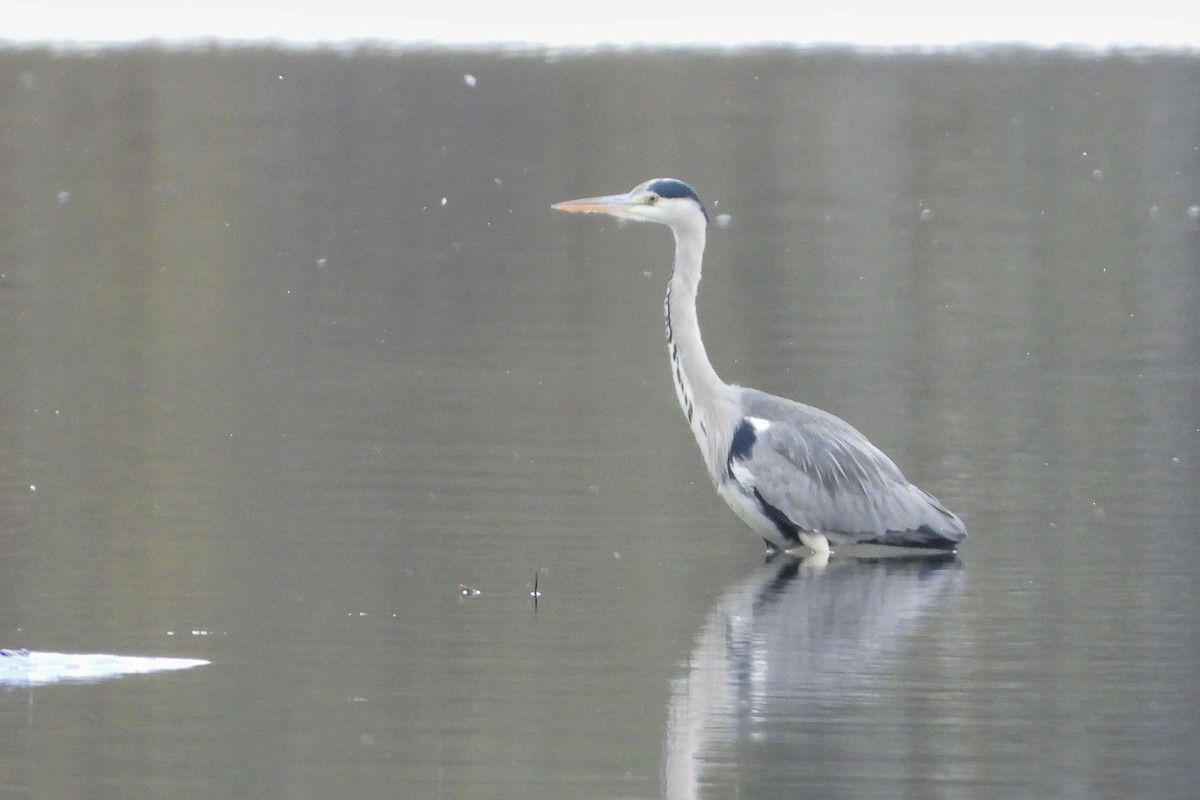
(801, 477)
(816, 662)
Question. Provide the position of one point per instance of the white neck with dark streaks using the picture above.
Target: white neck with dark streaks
(697, 384)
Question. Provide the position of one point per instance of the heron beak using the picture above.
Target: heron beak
(615, 204)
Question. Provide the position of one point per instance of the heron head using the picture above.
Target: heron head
(664, 200)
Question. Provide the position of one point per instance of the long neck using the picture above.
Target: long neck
(700, 390)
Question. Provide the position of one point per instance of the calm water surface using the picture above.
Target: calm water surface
(291, 347)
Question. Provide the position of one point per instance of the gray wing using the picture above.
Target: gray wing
(823, 475)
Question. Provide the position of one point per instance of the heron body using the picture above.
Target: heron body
(799, 476)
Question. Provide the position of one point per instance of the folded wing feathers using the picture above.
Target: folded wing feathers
(826, 476)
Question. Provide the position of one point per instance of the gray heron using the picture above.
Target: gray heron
(798, 476)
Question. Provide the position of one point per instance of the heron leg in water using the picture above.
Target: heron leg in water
(816, 542)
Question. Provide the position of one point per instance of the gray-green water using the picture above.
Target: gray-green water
(291, 346)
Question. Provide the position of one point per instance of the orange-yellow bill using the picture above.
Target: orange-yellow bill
(607, 204)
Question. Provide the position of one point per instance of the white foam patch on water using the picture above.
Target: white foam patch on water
(32, 667)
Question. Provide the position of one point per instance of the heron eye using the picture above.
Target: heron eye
(652, 199)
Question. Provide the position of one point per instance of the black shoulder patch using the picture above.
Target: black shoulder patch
(741, 445)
